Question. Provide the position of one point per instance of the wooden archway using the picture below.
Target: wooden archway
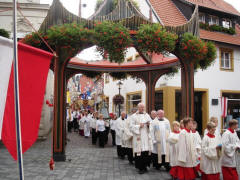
(132, 19)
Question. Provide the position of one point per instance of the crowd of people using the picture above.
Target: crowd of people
(148, 140)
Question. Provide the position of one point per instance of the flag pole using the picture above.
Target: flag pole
(16, 94)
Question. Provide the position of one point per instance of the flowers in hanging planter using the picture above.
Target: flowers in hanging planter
(209, 57)
(34, 40)
(193, 49)
(155, 39)
(69, 37)
(113, 38)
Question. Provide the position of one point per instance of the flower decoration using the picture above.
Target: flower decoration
(155, 39)
(113, 39)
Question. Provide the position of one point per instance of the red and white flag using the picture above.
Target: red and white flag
(224, 105)
(33, 67)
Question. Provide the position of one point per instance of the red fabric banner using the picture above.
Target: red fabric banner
(33, 67)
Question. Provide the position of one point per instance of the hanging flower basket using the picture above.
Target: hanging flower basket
(112, 38)
(155, 39)
(118, 99)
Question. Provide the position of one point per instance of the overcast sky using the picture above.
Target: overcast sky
(72, 5)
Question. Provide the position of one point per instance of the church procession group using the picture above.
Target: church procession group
(148, 140)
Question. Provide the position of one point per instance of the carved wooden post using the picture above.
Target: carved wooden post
(59, 127)
(187, 86)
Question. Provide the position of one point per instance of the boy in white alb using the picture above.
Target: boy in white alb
(215, 121)
(210, 155)
(197, 141)
(173, 142)
(230, 145)
(186, 152)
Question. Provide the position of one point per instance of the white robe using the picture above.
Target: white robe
(197, 141)
(127, 134)
(217, 133)
(187, 150)
(81, 123)
(164, 129)
(173, 148)
(210, 158)
(119, 127)
(230, 142)
(142, 140)
(93, 122)
(86, 122)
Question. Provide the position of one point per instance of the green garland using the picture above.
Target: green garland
(112, 39)
(192, 49)
(4, 33)
(118, 75)
(154, 38)
(92, 74)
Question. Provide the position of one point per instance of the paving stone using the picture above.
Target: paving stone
(84, 162)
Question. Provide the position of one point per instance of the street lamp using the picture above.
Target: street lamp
(119, 88)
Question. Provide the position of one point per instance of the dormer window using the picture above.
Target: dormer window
(213, 20)
(202, 17)
(227, 23)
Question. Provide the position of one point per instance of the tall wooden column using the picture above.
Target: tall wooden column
(150, 78)
(187, 85)
(59, 125)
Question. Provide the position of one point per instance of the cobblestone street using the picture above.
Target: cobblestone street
(84, 162)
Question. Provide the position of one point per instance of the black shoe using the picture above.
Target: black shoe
(141, 172)
(130, 162)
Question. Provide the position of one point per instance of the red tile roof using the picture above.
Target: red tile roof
(222, 37)
(219, 5)
(168, 12)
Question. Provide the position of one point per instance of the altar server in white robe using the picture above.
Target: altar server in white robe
(210, 155)
(127, 137)
(197, 141)
(230, 146)
(86, 121)
(142, 142)
(160, 130)
(173, 148)
(214, 120)
(187, 152)
(119, 129)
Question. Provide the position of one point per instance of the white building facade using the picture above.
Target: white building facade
(219, 80)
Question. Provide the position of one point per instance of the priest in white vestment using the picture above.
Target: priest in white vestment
(160, 130)
(119, 129)
(93, 122)
(127, 137)
(142, 142)
(86, 122)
